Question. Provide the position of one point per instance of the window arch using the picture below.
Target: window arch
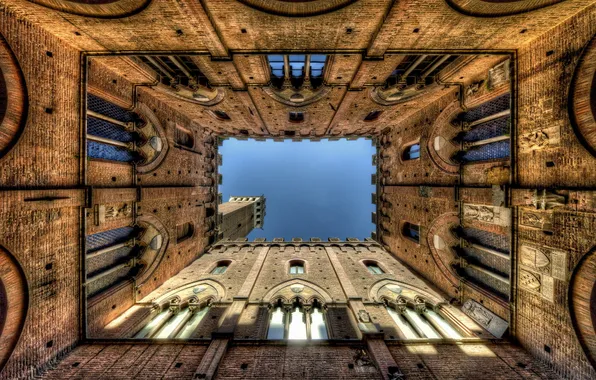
(221, 115)
(373, 267)
(373, 115)
(184, 231)
(297, 267)
(411, 231)
(296, 321)
(414, 320)
(221, 267)
(411, 152)
(184, 137)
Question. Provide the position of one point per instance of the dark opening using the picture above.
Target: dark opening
(373, 115)
(296, 117)
(221, 115)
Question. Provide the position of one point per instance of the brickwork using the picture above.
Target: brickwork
(53, 195)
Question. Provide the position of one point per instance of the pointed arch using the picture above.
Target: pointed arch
(272, 293)
(14, 304)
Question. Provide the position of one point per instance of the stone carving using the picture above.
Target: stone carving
(485, 318)
(199, 289)
(498, 75)
(297, 288)
(536, 219)
(362, 359)
(533, 140)
(487, 214)
(474, 88)
(539, 139)
(544, 260)
(126, 210)
(533, 257)
(547, 200)
(482, 213)
(529, 280)
(363, 316)
(537, 283)
(111, 212)
(394, 288)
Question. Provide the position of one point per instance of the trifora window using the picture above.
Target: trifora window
(174, 322)
(297, 322)
(416, 321)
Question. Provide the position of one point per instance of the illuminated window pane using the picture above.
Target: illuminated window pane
(191, 326)
(318, 329)
(453, 334)
(171, 325)
(297, 269)
(297, 329)
(412, 152)
(297, 64)
(423, 325)
(144, 333)
(220, 269)
(276, 326)
(402, 324)
(374, 269)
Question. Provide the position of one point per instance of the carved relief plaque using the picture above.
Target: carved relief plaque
(485, 318)
(539, 139)
(499, 74)
(537, 283)
(536, 219)
(549, 261)
(487, 214)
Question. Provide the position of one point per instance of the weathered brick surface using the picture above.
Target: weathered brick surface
(122, 361)
(545, 45)
(44, 238)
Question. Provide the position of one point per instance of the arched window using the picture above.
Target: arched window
(373, 115)
(296, 117)
(411, 231)
(419, 322)
(174, 323)
(298, 322)
(296, 267)
(373, 267)
(184, 137)
(221, 267)
(184, 231)
(411, 152)
(298, 68)
(221, 115)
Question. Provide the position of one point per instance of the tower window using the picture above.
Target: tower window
(184, 137)
(373, 267)
(221, 115)
(297, 267)
(411, 231)
(297, 67)
(373, 115)
(411, 152)
(294, 326)
(296, 117)
(184, 231)
(221, 267)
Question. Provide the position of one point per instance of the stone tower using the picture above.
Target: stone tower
(240, 215)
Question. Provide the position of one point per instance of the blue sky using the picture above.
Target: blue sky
(312, 189)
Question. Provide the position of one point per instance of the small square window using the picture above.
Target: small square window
(296, 117)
